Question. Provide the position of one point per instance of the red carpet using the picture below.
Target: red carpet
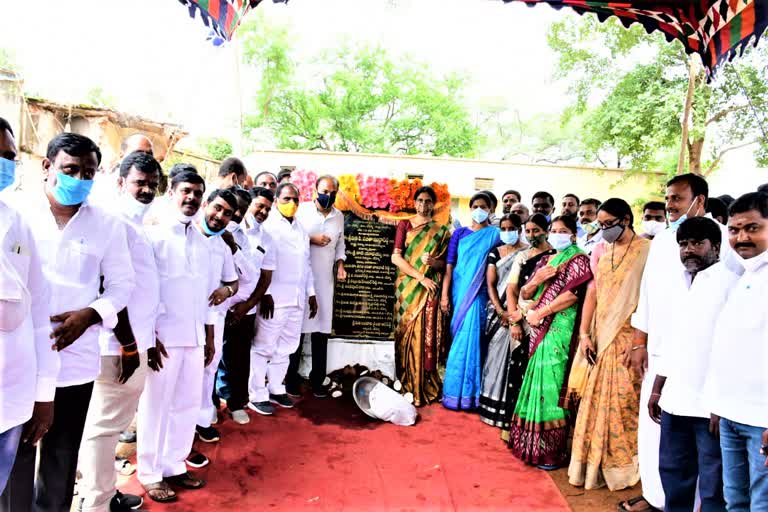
(327, 455)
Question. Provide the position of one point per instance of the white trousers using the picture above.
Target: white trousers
(168, 411)
(276, 339)
(112, 408)
(207, 409)
(648, 439)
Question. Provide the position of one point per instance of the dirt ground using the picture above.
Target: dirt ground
(601, 500)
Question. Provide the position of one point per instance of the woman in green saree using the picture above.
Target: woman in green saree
(539, 431)
(420, 331)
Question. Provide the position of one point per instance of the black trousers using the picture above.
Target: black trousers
(319, 363)
(235, 365)
(51, 489)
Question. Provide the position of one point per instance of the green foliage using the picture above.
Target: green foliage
(8, 60)
(97, 97)
(363, 100)
(630, 89)
(216, 147)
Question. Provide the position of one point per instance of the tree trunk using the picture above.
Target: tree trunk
(694, 155)
(687, 113)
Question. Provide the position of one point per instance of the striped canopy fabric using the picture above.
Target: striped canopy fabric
(221, 16)
(717, 30)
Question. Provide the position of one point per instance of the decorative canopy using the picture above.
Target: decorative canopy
(222, 16)
(715, 29)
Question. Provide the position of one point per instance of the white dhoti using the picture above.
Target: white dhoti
(207, 409)
(168, 411)
(648, 439)
(276, 339)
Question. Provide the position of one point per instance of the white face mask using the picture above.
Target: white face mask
(752, 264)
(132, 207)
(653, 227)
(232, 226)
(560, 241)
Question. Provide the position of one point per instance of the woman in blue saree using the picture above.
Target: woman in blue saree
(465, 292)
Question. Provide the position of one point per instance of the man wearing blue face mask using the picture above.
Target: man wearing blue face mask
(28, 364)
(83, 249)
(662, 286)
(324, 224)
(543, 203)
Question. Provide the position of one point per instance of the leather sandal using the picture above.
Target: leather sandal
(622, 506)
(160, 492)
(186, 481)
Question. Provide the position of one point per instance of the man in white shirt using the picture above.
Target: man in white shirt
(124, 349)
(278, 330)
(170, 404)
(266, 179)
(28, 364)
(689, 447)
(232, 173)
(325, 226)
(217, 213)
(82, 248)
(104, 191)
(508, 200)
(660, 289)
(589, 229)
(737, 382)
(235, 365)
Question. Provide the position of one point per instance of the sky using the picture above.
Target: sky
(154, 60)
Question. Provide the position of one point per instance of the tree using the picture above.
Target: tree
(216, 147)
(362, 100)
(631, 86)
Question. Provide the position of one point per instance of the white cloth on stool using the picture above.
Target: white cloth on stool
(207, 408)
(168, 410)
(276, 339)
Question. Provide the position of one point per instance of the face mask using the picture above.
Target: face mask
(538, 241)
(560, 241)
(592, 228)
(70, 191)
(287, 209)
(510, 237)
(185, 219)
(751, 264)
(548, 217)
(208, 231)
(326, 200)
(676, 223)
(7, 173)
(613, 233)
(479, 215)
(132, 207)
(653, 227)
(232, 226)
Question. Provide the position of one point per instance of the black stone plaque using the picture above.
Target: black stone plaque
(364, 304)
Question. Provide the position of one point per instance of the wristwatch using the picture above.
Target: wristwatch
(231, 291)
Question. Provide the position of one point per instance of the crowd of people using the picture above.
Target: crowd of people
(129, 297)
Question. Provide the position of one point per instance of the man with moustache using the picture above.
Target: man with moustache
(278, 330)
(543, 203)
(325, 226)
(509, 199)
(105, 182)
(28, 364)
(663, 282)
(737, 381)
(689, 447)
(591, 235)
(234, 368)
(570, 205)
(170, 404)
(86, 261)
(266, 179)
(124, 349)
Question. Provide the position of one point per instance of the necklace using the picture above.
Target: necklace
(613, 249)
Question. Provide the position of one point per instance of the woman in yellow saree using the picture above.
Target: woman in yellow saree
(605, 437)
(420, 332)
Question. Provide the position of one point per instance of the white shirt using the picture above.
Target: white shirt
(292, 281)
(144, 301)
(662, 284)
(28, 365)
(323, 260)
(244, 266)
(587, 244)
(91, 245)
(685, 351)
(183, 258)
(737, 381)
(222, 271)
(262, 253)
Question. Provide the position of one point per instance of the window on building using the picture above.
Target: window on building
(414, 176)
(483, 184)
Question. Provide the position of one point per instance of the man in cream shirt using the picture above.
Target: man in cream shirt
(28, 364)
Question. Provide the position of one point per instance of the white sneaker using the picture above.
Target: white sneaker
(240, 417)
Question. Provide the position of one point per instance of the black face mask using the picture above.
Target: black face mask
(538, 241)
(326, 200)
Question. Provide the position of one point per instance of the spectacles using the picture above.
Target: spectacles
(604, 225)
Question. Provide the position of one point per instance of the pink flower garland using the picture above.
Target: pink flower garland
(305, 180)
(374, 191)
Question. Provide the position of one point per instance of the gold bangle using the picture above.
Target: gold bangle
(514, 324)
(130, 353)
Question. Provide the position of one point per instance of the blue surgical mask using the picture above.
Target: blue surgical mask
(7, 173)
(208, 231)
(560, 241)
(549, 218)
(70, 191)
(479, 215)
(674, 224)
(326, 200)
(510, 237)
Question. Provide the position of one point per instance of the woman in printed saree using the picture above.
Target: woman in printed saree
(465, 291)
(493, 401)
(420, 332)
(605, 436)
(539, 430)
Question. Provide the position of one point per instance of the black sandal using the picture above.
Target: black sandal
(186, 481)
(621, 506)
